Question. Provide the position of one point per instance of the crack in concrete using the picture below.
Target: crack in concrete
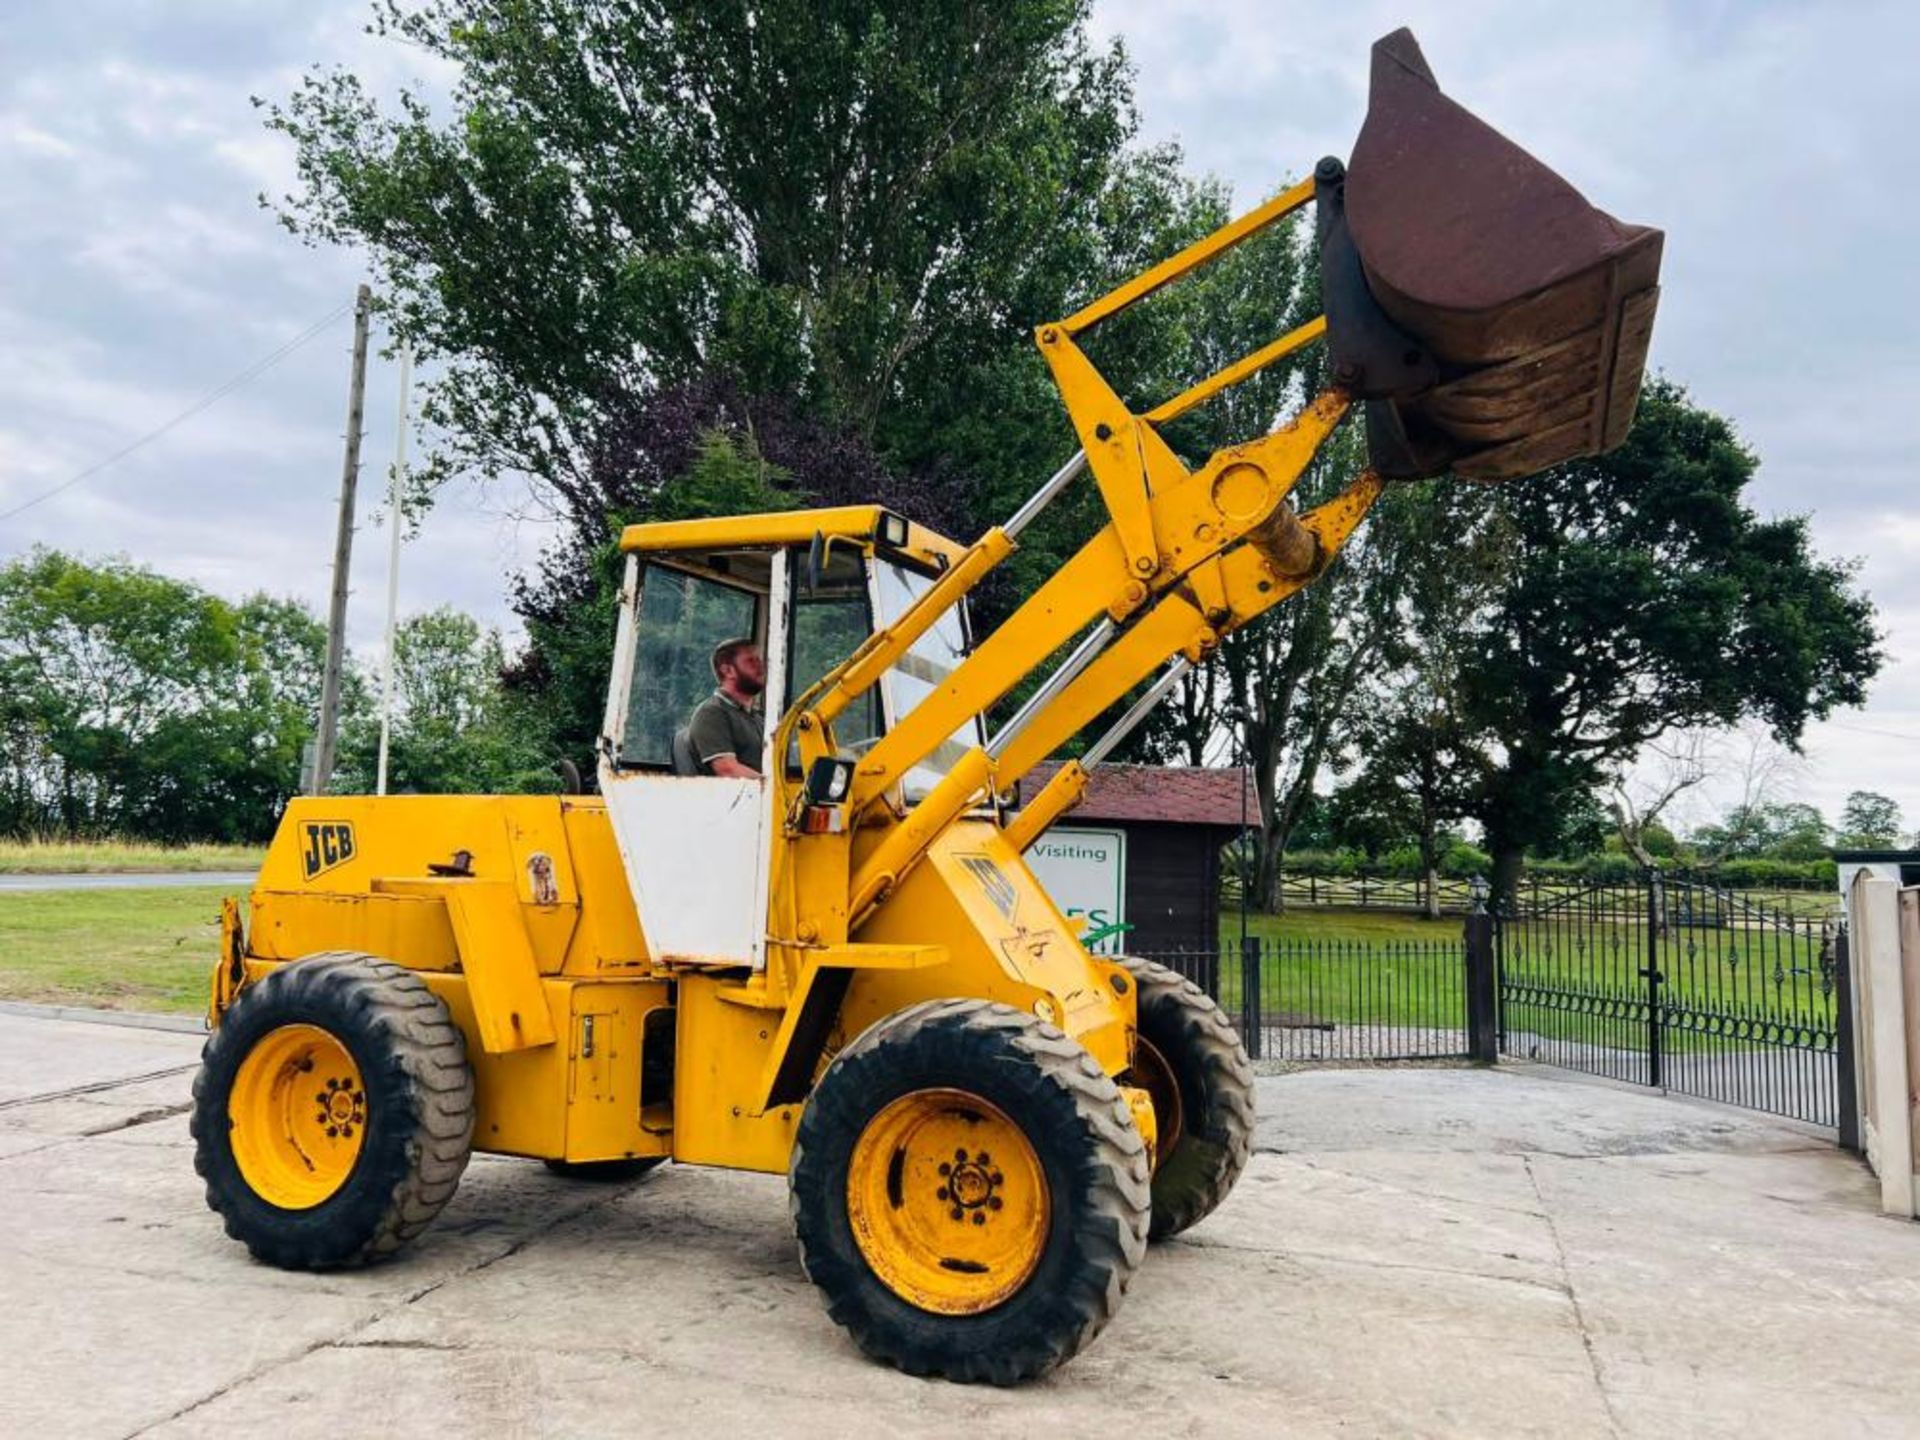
(144, 1117)
(344, 1338)
(1394, 1188)
(1573, 1300)
(73, 1091)
(1327, 1257)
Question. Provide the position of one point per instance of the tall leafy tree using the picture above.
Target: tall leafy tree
(851, 203)
(1869, 821)
(1644, 596)
(456, 729)
(644, 220)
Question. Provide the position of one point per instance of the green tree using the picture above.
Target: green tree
(844, 216)
(1767, 830)
(1644, 596)
(1421, 760)
(1869, 821)
(852, 203)
(456, 730)
(138, 704)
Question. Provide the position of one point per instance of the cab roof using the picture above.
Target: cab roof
(860, 523)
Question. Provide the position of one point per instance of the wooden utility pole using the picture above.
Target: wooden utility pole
(326, 740)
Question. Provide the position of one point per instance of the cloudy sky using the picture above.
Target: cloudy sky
(1773, 142)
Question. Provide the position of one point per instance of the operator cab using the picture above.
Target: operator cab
(808, 587)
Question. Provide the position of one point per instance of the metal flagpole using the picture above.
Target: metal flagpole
(394, 519)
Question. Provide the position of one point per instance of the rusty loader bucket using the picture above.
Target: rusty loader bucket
(1494, 321)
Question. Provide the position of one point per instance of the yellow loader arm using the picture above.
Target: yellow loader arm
(1519, 343)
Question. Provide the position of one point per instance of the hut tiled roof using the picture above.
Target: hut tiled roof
(1167, 794)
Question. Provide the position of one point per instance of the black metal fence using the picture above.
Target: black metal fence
(1333, 1000)
(1681, 986)
(1667, 983)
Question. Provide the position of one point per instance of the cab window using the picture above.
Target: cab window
(682, 617)
(923, 669)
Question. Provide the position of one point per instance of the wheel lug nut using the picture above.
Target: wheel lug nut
(979, 1217)
(945, 1168)
(983, 1158)
(996, 1178)
(941, 1193)
(961, 1156)
(958, 1213)
(993, 1202)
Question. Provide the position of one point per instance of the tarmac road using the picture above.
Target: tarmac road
(145, 881)
(1444, 1252)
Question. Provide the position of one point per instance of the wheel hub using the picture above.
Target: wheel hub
(948, 1201)
(297, 1116)
(970, 1186)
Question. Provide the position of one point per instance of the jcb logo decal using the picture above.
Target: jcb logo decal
(323, 845)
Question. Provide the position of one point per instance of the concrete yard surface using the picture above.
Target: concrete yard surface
(1429, 1252)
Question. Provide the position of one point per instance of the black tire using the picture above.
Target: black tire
(419, 1110)
(1208, 1065)
(605, 1172)
(1081, 1131)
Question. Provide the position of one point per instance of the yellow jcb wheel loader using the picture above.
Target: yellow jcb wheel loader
(842, 968)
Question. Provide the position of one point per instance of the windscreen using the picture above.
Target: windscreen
(832, 619)
(933, 657)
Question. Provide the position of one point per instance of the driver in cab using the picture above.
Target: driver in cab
(727, 728)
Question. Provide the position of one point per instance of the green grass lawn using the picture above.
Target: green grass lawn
(110, 949)
(1349, 966)
(1350, 925)
(88, 857)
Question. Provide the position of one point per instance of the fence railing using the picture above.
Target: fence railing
(1657, 980)
(1443, 895)
(1673, 984)
(1332, 1000)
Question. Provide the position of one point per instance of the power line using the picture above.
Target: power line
(253, 371)
(1871, 730)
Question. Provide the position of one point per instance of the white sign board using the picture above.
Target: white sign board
(1085, 872)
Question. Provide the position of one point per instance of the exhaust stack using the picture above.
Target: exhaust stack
(1493, 320)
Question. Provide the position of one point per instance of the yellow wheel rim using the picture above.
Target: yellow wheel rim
(298, 1116)
(948, 1202)
(1152, 1073)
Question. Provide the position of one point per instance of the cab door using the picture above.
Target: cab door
(695, 848)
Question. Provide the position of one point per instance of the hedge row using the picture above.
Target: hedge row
(1462, 862)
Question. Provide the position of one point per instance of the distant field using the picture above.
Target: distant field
(111, 949)
(89, 857)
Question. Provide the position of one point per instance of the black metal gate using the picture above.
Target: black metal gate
(1677, 985)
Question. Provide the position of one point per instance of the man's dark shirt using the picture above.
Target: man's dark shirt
(722, 726)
